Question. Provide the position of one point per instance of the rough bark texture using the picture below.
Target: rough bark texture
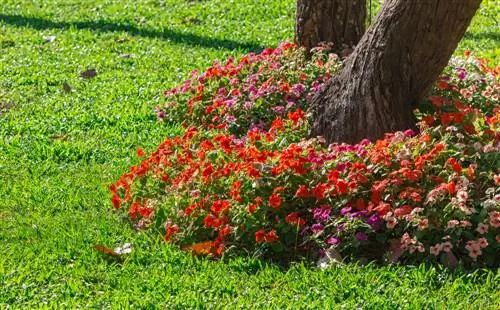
(337, 21)
(391, 69)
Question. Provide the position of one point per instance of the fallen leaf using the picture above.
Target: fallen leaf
(59, 137)
(203, 248)
(141, 20)
(125, 55)
(191, 20)
(67, 88)
(49, 39)
(88, 74)
(105, 250)
(121, 39)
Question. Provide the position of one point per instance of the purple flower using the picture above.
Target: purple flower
(279, 109)
(361, 236)
(461, 75)
(374, 221)
(229, 103)
(321, 214)
(341, 227)
(345, 210)
(359, 213)
(333, 241)
(317, 228)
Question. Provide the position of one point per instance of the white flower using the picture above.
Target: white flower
(490, 191)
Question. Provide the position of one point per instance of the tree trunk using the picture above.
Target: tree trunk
(391, 70)
(338, 21)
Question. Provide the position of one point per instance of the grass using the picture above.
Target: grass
(59, 150)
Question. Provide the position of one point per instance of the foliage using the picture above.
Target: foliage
(421, 196)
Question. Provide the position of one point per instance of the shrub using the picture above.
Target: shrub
(245, 179)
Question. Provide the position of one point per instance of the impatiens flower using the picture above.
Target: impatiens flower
(451, 224)
(375, 222)
(302, 192)
(404, 210)
(316, 228)
(361, 236)
(423, 224)
(259, 236)
(446, 246)
(483, 243)
(271, 237)
(390, 222)
(436, 249)
(482, 228)
(274, 201)
(333, 241)
(346, 210)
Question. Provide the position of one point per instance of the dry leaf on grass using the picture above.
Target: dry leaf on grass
(88, 74)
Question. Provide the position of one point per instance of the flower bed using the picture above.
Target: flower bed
(245, 179)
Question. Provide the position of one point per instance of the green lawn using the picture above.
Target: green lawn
(59, 151)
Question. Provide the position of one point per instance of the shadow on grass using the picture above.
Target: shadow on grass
(495, 36)
(111, 26)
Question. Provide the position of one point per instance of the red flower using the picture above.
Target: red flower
(360, 204)
(275, 201)
(382, 209)
(333, 175)
(271, 236)
(140, 152)
(293, 218)
(452, 188)
(296, 116)
(170, 231)
(252, 208)
(259, 236)
(341, 187)
(404, 210)
(116, 201)
(219, 205)
(319, 191)
(302, 192)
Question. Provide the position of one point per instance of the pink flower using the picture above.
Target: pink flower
(391, 222)
(483, 243)
(465, 224)
(494, 219)
(482, 228)
(423, 224)
(435, 250)
(462, 195)
(451, 224)
(421, 248)
(447, 246)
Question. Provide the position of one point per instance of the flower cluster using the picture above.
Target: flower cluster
(244, 177)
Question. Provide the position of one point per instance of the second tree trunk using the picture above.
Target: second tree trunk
(391, 69)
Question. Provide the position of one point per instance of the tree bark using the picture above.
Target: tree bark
(391, 69)
(339, 21)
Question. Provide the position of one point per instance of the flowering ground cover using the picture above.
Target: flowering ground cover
(61, 147)
(245, 177)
